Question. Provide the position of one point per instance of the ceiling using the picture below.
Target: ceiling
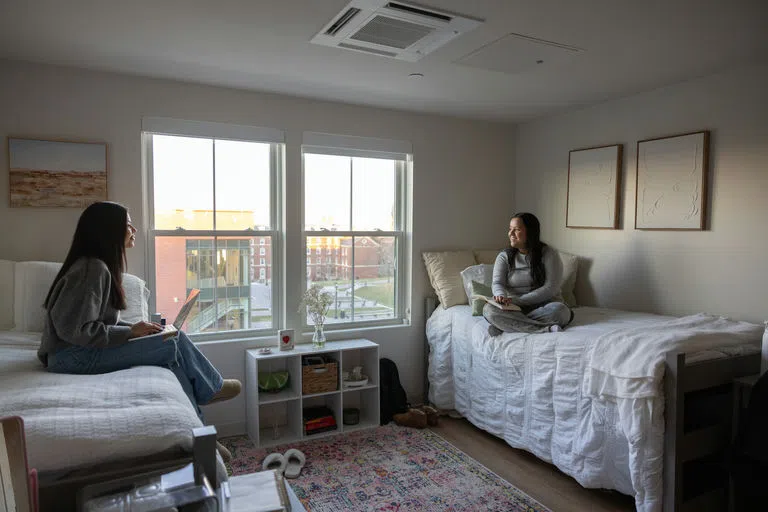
(263, 45)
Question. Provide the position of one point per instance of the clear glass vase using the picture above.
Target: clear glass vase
(318, 338)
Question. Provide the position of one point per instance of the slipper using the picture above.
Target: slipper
(294, 461)
(274, 461)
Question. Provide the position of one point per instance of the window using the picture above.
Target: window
(261, 262)
(213, 191)
(262, 251)
(354, 204)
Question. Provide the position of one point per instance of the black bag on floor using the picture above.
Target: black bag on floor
(393, 399)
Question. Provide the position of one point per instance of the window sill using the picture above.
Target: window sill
(268, 340)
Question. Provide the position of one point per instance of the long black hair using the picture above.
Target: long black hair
(535, 248)
(100, 233)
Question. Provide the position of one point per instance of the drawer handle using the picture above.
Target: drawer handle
(320, 370)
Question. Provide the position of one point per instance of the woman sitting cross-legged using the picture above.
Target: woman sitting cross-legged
(527, 274)
(83, 333)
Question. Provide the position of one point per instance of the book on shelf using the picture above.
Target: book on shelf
(492, 302)
(320, 430)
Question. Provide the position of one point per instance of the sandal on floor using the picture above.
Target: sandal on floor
(294, 461)
(274, 461)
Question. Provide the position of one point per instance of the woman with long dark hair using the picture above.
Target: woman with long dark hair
(528, 274)
(83, 333)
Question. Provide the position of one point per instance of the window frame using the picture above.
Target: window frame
(219, 131)
(401, 234)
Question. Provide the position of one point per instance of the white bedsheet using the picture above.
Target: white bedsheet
(79, 420)
(528, 389)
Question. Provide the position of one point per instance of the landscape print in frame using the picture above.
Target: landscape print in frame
(56, 173)
(671, 191)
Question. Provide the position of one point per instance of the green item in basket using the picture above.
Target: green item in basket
(273, 381)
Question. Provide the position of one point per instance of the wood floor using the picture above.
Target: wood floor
(540, 480)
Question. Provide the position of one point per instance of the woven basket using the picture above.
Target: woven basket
(319, 378)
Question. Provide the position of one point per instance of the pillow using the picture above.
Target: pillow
(479, 289)
(444, 270)
(486, 256)
(136, 298)
(33, 279)
(570, 268)
(6, 294)
(480, 273)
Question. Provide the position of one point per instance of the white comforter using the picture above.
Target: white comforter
(79, 420)
(528, 389)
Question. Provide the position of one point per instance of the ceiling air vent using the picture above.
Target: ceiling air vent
(398, 30)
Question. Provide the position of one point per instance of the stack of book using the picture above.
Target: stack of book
(318, 419)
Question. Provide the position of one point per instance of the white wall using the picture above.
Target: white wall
(453, 162)
(721, 270)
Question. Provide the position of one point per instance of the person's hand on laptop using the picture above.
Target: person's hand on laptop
(142, 328)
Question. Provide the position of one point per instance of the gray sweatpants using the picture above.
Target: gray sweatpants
(536, 320)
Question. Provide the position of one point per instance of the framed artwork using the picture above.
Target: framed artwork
(56, 173)
(593, 187)
(671, 192)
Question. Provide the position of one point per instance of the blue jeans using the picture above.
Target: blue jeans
(197, 376)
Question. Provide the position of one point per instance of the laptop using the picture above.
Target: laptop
(172, 329)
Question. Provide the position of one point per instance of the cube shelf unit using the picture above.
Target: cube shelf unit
(276, 418)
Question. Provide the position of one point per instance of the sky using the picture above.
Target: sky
(183, 174)
(44, 155)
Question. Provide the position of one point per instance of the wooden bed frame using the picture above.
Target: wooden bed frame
(698, 426)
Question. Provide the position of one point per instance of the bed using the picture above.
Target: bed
(658, 438)
(84, 428)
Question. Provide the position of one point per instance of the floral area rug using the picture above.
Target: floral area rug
(388, 468)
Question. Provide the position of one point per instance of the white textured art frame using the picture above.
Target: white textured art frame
(594, 176)
(672, 182)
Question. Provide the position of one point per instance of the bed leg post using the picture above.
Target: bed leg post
(430, 304)
(674, 409)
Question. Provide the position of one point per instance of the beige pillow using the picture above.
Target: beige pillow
(444, 270)
(486, 256)
(570, 268)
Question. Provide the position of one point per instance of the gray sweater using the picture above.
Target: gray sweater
(515, 282)
(79, 311)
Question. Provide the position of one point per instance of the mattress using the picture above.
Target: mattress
(74, 421)
(528, 390)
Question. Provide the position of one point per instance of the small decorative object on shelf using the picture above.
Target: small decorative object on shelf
(274, 382)
(285, 339)
(315, 302)
(350, 416)
(318, 337)
(354, 379)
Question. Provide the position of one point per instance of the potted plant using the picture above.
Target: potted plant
(315, 302)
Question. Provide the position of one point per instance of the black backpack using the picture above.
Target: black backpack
(393, 398)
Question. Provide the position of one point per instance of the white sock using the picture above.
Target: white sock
(555, 328)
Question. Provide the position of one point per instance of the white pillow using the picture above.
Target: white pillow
(444, 270)
(32, 279)
(6, 295)
(480, 273)
(136, 298)
(570, 268)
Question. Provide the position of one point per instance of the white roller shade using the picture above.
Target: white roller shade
(350, 145)
(207, 129)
